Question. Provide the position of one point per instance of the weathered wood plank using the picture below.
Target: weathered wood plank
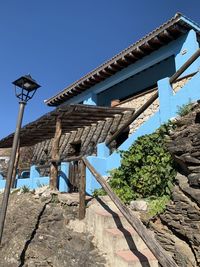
(55, 155)
(82, 186)
(162, 256)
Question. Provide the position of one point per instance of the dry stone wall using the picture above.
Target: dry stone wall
(140, 99)
(181, 82)
(136, 103)
(178, 228)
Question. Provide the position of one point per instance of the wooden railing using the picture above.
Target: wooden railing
(153, 98)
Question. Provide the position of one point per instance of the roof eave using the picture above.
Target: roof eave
(151, 42)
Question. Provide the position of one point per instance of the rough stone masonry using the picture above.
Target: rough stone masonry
(178, 228)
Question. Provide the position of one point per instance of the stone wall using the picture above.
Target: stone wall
(181, 82)
(136, 103)
(178, 228)
(140, 99)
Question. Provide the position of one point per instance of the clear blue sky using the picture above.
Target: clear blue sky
(58, 41)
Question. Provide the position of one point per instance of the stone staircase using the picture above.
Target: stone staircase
(115, 237)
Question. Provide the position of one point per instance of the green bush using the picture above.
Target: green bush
(25, 189)
(157, 205)
(184, 109)
(146, 168)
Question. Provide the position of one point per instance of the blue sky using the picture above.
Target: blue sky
(57, 42)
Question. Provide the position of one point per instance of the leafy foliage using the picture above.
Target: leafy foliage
(146, 168)
(184, 109)
(25, 189)
(99, 192)
(157, 205)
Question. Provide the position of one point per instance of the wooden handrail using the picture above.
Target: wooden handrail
(153, 98)
(185, 66)
(135, 116)
(162, 256)
(75, 158)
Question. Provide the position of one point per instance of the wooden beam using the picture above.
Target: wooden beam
(82, 86)
(107, 72)
(110, 70)
(102, 74)
(55, 155)
(162, 256)
(124, 61)
(99, 76)
(116, 66)
(131, 57)
(82, 186)
(157, 40)
(147, 47)
(113, 68)
(134, 55)
(138, 51)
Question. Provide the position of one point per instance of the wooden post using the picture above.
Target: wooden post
(82, 185)
(15, 166)
(55, 155)
(162, 256)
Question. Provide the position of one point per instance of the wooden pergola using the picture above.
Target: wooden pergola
(66, 117)
(63, 119)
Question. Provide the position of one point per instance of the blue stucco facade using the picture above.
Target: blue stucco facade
(35, 180)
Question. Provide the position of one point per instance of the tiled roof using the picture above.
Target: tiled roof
(162, 35)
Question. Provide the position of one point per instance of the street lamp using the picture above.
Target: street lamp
(25, 88)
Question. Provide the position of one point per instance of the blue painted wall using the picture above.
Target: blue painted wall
(139, 82)
(35, 180)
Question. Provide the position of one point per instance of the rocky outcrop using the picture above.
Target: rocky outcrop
(178, 228)
(37, 233)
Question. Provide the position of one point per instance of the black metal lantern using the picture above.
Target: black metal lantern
(25, 87)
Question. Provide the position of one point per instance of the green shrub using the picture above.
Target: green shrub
(99, 192)
(184, 109)
(146, 168)
(25, 189)
(157, 205)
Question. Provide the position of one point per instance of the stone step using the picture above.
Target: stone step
(122, 239)
(111, 215)
(116, 237)
(99, 219)
(135, 258)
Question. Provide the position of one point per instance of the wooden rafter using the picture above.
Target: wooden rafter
(73, 117)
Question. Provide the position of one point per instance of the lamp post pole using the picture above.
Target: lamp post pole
(25, 88)
(10, 168)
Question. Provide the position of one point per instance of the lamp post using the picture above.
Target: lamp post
(25, 88)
